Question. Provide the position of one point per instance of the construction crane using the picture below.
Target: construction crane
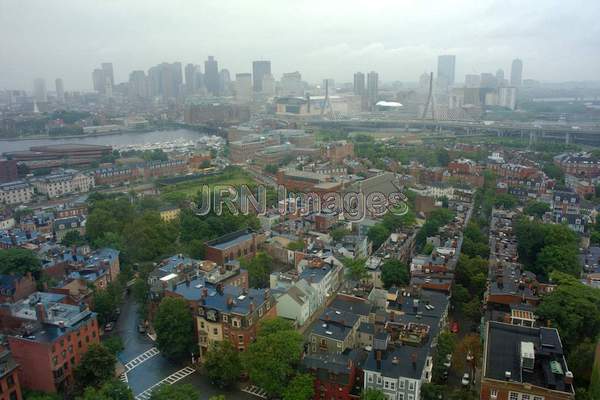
(430, 102)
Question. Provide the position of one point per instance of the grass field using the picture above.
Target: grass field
(232, 176)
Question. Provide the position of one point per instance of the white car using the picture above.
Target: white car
(465, 379)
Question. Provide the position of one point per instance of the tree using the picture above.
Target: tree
(394, 273)
(175, 392)
(222, 364)
(372, 394)
(355, 268)
(431, 391)
(301, 387)
(573, 308)
(72, 238)
(259, 268)
(97, 366)
(378, 234)
(174, 326)
(273, 357)
(271, 169)
(114, 344)
(110, 390)
(338, 234)
(19, 262)
(536, 209)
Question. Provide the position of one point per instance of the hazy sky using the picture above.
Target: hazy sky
(400, 39)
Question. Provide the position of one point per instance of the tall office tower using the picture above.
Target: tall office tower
(500, 75)
(372, 88)
(60, 90)
(359, 83)
(98, 80)
(108, 73)
(243, 86)
(472, 80)
(291, 84)
(190, 79)
(211, 76)
(259, 70)
(154, 81)
(224, 82)
(138, 85)
(488, 80)
(446, 68)
(268, 85)
(39, 90)
(516, 73)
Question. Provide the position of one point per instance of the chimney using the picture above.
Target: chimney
(40, 312)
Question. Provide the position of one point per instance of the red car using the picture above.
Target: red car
(454, 328)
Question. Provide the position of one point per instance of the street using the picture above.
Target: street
(146, 368)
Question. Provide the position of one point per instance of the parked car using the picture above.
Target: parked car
(109, 327)
(448, 361)
(465, 379)
(454, 328)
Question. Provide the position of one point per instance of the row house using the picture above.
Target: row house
(48, 338)
(18, 192)
(225, 312)
(62, 184)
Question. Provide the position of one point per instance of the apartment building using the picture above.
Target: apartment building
(18, 192)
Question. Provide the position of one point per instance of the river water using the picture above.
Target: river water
(130, 138)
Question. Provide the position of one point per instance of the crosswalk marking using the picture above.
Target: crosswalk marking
(256, 391)
(145, 356)
(169, 380)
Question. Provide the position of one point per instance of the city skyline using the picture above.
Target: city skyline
(397, 40)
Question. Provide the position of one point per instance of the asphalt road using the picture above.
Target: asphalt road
(151, 370)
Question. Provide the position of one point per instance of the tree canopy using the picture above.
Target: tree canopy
(16, 261)
(97, 366)
(394, 273)
(174, 327)
(175, 392)
(222, 364)
(273, 358)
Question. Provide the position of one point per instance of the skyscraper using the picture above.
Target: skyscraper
(39, 90)
(359, 83)
(372, 88)
(98, 80)
(138, 85)
(243, 86)
(108, 73)
(60, 90)
(190, 78)
(211, 76)
(446, 70)
(516, 73)
(224, 82)
(259, 70)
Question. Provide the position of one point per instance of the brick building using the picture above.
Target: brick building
(47, 338)
(10, 386)
(523, 363)
(235, 245)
